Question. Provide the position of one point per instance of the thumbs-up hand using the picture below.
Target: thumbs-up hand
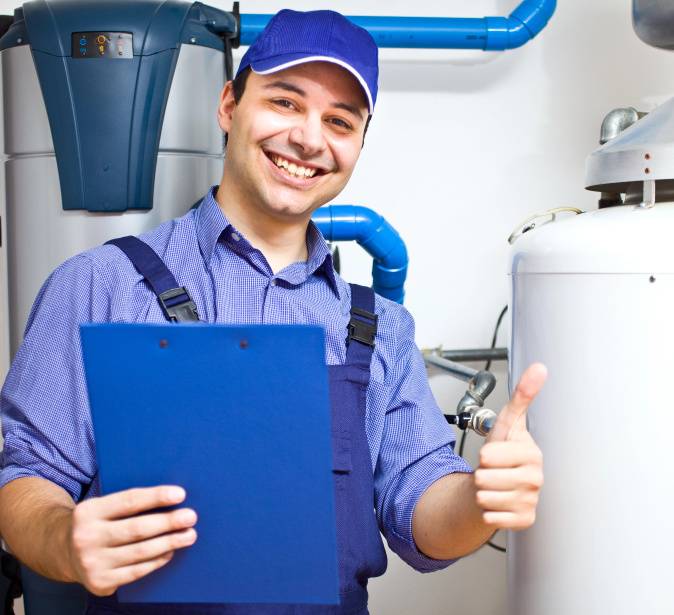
(510, 473)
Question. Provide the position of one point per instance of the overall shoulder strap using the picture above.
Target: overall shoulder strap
(175, 301)
(362, 326)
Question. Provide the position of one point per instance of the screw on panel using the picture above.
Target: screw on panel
(652, 278)
(244, 344)
(193, 40)
(647, 156)
(647, 170)
(163, 343)
(19, 41)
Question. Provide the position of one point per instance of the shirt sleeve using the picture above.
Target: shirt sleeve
(46, 421)
(417, 446)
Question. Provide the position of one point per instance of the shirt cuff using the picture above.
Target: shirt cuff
(411, 485)
(13, 471)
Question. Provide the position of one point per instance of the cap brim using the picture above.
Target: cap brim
(278, 63)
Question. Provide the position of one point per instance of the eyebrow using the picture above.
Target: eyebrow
(284, 85)
(289, 87)
(350, 108)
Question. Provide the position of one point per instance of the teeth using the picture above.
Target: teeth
(292, 168)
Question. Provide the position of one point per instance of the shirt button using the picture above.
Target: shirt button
(235, 237)
(273, 282)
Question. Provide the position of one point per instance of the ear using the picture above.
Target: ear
(226, 107)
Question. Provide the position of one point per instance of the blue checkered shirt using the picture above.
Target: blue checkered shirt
(46, 420)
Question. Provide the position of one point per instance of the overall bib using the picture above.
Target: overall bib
(360, 550)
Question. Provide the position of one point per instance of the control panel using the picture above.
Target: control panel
(111, 45)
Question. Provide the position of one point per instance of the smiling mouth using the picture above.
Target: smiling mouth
(293, 169)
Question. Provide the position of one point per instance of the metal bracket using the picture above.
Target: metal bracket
(648, 195)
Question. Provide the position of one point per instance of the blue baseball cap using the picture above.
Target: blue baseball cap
(295, 37)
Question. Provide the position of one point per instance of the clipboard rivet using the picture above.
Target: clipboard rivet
(244, 344)
(163, 343)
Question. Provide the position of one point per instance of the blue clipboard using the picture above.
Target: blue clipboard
(240, 417)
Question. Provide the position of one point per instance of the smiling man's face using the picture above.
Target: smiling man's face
(293, 140)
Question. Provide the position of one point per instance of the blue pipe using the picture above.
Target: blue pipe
(379, 239)
(487, 33)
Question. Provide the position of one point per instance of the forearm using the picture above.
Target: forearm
(36, 523)
(447, 522)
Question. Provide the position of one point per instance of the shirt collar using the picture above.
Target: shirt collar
(212, 223)
(320, 256)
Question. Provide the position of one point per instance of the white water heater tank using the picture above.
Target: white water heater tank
(592, 297)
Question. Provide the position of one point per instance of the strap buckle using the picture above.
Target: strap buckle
(178, 311)
(361, 330)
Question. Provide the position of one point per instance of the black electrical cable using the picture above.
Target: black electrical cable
(487, 366)
(493, 339)
(462, 443)
(493, 546)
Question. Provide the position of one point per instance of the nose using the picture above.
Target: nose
(308, 135)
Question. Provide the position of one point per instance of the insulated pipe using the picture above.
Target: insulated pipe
(487, 33)
(379, 239)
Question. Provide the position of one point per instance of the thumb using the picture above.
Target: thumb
(512, 419)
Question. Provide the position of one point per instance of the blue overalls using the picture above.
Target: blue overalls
(360, 549)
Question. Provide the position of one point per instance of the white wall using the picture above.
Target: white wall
(463, 146)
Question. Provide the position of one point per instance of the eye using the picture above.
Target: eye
(340, 123)
(286, 104)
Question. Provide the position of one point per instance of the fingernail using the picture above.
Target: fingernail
(188, 517)
(188, 537)
(176, 494)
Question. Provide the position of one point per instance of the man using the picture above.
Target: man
(295, 118)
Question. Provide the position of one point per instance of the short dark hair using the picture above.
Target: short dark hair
(239, 87)
(239, 84)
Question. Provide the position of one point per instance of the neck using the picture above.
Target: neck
(281, 241)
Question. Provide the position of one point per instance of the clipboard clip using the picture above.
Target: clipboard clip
(361, 330)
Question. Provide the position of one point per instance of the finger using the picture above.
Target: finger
(142, 527)
(513, 416)
(146, 550)
(508, 520)
(107, 584)
(510, 454)
(134, 501)
(501, 501)
(525, 479)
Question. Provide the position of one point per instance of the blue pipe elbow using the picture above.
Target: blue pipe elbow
(523, 24)
(377, 237)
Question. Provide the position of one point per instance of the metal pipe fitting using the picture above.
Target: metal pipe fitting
(481, 385)
(617, 121)
(481, 420)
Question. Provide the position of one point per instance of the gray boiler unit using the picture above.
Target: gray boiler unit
(109, 128)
